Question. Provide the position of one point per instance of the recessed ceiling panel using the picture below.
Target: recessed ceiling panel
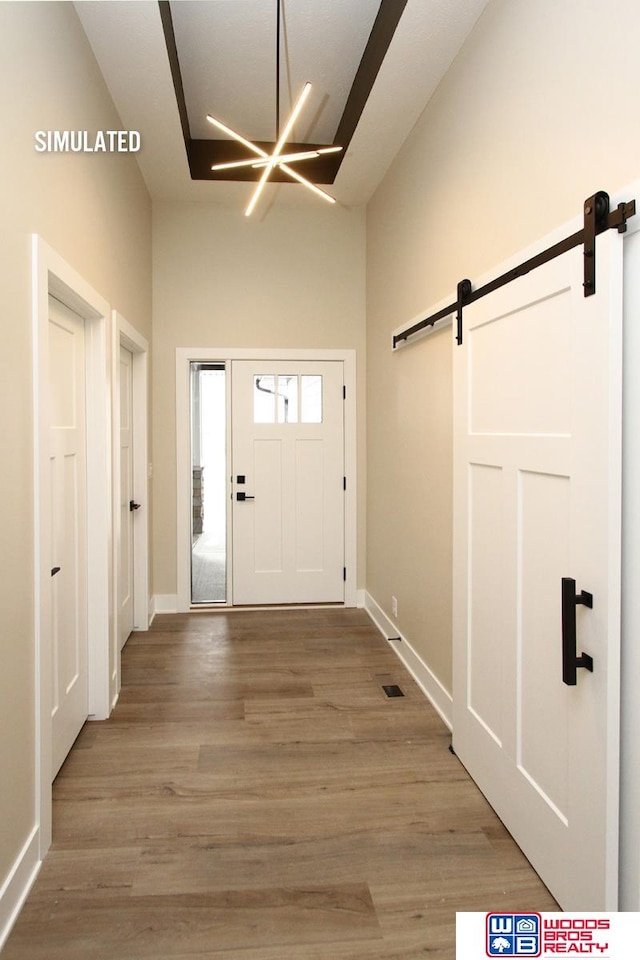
(227, 55)
(129, 41)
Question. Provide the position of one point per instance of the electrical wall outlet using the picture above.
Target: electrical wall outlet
(394, 607)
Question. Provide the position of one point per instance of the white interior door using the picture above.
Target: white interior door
(288, 488)
(537, 499)
(68, 514)
(125, 549)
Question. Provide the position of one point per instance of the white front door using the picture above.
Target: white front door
(68, 517)
(288, 482)
(537, 501)
(127, 506)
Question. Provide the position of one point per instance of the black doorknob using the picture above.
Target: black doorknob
(133, 505)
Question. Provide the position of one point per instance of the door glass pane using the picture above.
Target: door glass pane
(311, 399)
(209, 483)
(264, 399)
(288, 399)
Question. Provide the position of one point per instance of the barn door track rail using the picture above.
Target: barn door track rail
(597, 218)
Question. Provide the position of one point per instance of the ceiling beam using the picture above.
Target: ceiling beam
(174, 63)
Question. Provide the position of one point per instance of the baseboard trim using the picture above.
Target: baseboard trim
(16, 887)
(165, 603)
(168, 603)
(439, 697)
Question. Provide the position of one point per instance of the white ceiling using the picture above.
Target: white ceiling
(227, 59)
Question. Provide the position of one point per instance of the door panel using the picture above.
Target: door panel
(67, 452)
(268, 533)
(125, 549)
(537, 499)
(544, 512)
(310, 517)
(287, 444)
(537, 339)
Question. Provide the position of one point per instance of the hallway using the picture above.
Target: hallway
(256, 796)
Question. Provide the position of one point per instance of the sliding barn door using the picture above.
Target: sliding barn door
(537, 524)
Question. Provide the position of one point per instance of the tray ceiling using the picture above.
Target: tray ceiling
(226, 51)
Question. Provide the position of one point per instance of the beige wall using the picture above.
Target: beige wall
(95, 213)
(291, 279)
(537, 112)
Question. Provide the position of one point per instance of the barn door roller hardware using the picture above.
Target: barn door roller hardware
(597, 218)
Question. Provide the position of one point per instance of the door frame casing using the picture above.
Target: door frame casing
(125, 335)
(51, 275)
(184, 357)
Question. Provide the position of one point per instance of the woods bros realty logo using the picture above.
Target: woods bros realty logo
(529, 935)
(612, 936)
(82, 141)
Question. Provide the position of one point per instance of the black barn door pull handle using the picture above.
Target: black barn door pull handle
(570, 661)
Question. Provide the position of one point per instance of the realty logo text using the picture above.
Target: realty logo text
(528, 935)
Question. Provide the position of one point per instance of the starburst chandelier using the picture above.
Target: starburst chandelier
(268, 162)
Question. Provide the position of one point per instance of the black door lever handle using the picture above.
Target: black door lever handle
(54, 570)
(133, 505)
(241, 495)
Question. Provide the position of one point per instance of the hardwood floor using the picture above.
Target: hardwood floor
(256, 796)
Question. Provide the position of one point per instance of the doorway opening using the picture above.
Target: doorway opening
(228, 362)
(208, 483)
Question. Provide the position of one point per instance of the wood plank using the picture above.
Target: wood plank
(333, 726)
(345, 856)
(176, 711)
(228, 920)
